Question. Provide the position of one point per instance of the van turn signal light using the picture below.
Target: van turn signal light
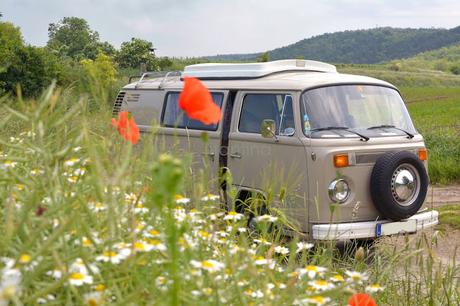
(341, 160)
(423, 154)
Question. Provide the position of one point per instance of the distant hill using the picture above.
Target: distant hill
(360, 46)
(444, 59)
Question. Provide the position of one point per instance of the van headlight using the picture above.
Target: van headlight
(339, 190)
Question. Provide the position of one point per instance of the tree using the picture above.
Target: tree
(74, 38)
(264, 57)
(10, 41)
(133, 53)
(32, 68)
(98, 79)
(455, 69)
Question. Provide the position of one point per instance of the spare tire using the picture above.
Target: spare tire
(399, 185)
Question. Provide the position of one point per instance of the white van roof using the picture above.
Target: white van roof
(253, 70)
(276, 75)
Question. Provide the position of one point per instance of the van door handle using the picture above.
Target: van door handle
(235, 155)
(210, 155)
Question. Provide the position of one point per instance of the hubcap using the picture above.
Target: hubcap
(405, 184)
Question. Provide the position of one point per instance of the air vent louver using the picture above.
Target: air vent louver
(118, 102)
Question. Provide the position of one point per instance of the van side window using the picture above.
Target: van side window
(257, 107)
(173, 116)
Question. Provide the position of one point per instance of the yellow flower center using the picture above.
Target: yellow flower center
(321, 282)
(204, 234)
(338, 278)
(318, 299)
(77, 276)
(109, 254)
(154, 233)
(25, 258)
(207, 265)
(100, 287)
(92, 302)
(311, 268)
(86, 242)
(139, 246)
(154, 241)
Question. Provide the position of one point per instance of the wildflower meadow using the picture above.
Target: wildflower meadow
(94, 213)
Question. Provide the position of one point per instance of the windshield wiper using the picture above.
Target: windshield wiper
(384, 126)
(328, 128)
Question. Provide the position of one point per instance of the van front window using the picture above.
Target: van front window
(334, 111)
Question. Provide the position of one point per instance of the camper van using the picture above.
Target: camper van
(342, 148)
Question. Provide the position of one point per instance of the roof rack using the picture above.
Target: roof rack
(254, 70)
(165, 75)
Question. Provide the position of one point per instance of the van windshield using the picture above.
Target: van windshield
(370, 110)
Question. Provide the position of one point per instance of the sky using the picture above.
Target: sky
(209, 27)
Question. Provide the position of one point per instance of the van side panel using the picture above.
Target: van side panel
(145, 106)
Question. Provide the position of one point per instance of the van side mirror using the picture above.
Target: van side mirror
(268, 128)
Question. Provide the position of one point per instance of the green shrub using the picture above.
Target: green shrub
(98, 79)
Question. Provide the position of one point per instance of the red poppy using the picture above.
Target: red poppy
(197, 102)
(361, 299)
(127, 127)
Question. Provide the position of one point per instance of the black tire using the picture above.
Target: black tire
(384, 185)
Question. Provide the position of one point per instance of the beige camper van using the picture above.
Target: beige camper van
(342, 147)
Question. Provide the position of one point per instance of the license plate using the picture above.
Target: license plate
(392, 228)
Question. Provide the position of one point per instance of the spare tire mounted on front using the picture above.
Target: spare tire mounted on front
(399, 184)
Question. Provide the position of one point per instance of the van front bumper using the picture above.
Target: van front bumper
(373, 229)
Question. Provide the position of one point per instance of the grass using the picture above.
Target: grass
(89, 219)
(436, 114)
(450, 215)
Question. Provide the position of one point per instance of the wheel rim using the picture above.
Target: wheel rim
(405, 184)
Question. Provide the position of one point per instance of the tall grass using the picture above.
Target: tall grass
(436, 114)
(89, 219)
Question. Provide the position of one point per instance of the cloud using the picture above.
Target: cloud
(204, 27)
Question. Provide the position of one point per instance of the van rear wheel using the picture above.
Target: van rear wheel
(398, 185)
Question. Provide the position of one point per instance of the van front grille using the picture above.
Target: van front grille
(118, 102)
(367, 158)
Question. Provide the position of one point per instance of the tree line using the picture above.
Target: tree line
(369, 46)
(74, 54)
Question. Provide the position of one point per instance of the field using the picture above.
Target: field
(90, 219)
(436, 114)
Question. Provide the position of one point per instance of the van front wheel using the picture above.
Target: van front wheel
(399, 184)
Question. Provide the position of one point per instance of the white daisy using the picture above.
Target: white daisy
(374, 288)
(266, 218)
(79, 279)
(281, 250)
(303, 246)
(233, 216)
(321, 285)
(311, 271)
(208, 265)
(356, 277)
(181, 199)
(71, 162)
(210, 197)
(110, 256)
(315, 300)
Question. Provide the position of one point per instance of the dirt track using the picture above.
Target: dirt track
(448, 239)
(443, 195)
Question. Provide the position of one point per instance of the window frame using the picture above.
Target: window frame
(163, 111)
(285, 93)
(346, 84)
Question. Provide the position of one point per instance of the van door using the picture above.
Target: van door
(184, 136)
(274, 166)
